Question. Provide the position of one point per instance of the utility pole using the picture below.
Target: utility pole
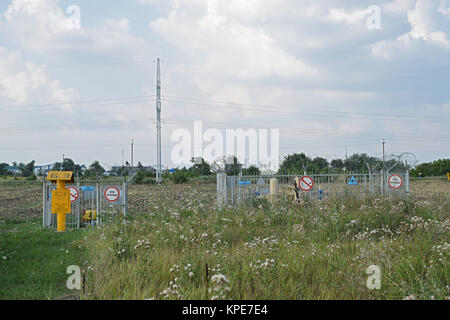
(122, 157)
(132, 146)
(158, 124)
(382, 172)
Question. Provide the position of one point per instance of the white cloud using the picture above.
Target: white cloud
(42, 26)
(208, 31)
(23, 82)
(351, 17)
(399, 6)
(428, 24)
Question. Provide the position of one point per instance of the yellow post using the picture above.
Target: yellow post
(273, 188)
(448, 176)
(60, 197)
(61, 217)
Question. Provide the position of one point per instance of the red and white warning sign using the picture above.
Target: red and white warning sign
(306, 183)
(112, 194)
(395, 181)
(74, 194)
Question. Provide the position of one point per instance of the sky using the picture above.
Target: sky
(77, 77)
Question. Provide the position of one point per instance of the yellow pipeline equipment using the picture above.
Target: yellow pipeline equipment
(60, 196)
(89, 215)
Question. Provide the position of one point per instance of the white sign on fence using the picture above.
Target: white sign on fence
(395, 181)
(112, 194)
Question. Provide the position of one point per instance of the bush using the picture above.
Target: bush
(145, 177)
(148, 180)
(179, 177)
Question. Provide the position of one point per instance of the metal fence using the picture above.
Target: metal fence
(239, 189)
(92, 203)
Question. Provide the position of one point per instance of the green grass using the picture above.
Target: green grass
(37, 260)
(314, 250)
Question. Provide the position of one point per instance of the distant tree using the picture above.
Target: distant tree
(68, 165)
(436, 168)
(319, 164)
(337, 164)
(28, 169)
(4, 169)
(200, 169)
(121, 171)
(362, 162)
(295, 163)
(251, 171)
(21, 167)
(233, 168)
(95, 169)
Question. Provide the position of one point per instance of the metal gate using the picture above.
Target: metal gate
(92, 203)
(238, 189)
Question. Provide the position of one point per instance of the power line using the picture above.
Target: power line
(283, 109)
(84, 103)
(317, 73)
(143, 120)
(268, 67)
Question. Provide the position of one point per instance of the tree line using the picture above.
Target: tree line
(436, 168)
(29, 170)
(292, 164)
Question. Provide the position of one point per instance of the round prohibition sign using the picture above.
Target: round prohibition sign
(74, 194)
(395, 181)
(112, 194)
(306, 183)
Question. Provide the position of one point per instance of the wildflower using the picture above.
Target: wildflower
(219, 279)
(190, 274)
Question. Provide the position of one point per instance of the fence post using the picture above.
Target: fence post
(97, 196)
(273, 188)
(407, 182)
(382, 182)
(125, 199)
(78, 204)
(221, 189)
(44, 205)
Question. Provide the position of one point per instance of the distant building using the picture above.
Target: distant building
(13, 169)
(43, 170)
(116, 169)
